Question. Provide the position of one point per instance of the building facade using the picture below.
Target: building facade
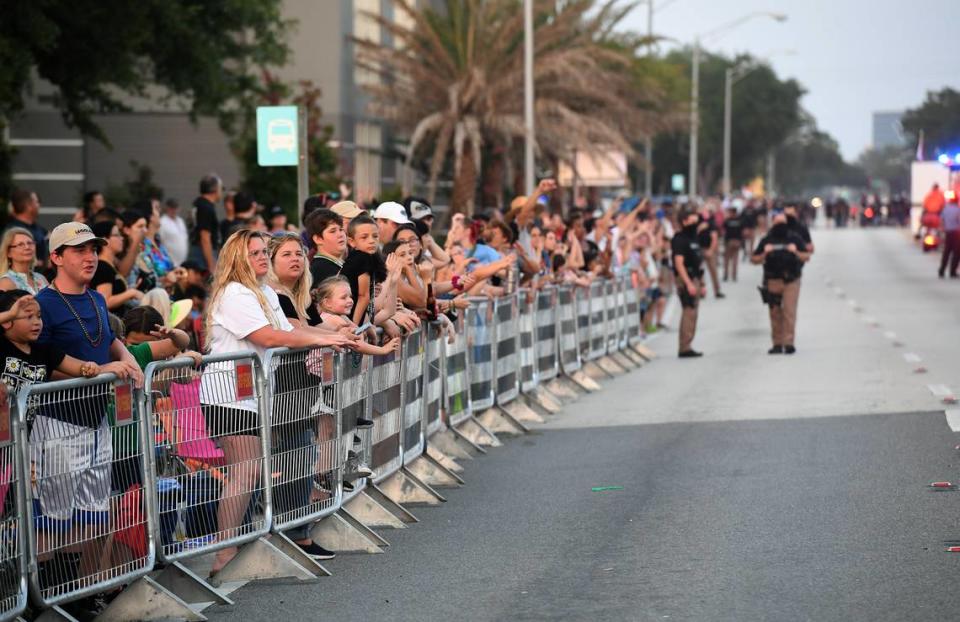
(60, 164)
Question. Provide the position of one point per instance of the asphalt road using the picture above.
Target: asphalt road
(754, 487)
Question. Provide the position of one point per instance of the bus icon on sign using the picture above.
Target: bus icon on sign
(281, 136)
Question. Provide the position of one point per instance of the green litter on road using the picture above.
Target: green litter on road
(605, 488)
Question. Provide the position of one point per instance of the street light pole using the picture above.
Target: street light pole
(648, 140)
(529, 136)
(727, 122)
(734, 75)
(694, 120)
(695, 87)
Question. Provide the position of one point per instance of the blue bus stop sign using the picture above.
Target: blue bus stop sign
(277, 135)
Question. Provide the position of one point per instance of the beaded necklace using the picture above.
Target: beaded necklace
(93, 342)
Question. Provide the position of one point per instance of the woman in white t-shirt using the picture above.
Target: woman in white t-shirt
(244, 314)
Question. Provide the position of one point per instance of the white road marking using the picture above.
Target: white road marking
(892, 336)
(911, 358)
(953, 418)
(940, 390)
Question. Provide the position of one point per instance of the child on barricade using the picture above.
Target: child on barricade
(371, 278)
(27, 362)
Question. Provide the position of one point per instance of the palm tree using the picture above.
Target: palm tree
(453, 83)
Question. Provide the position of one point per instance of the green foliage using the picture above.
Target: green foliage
(939, 118)
(766, 111)
(277, 185)
(139, 187)
(97, 53)
(810, 161)
(888, 168)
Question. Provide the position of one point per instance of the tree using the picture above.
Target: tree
(141, 187)
(890, 166)
(97, 53)
(810, 161)
(452, 82)
(939, 119)
(766, 111)
(277, 185)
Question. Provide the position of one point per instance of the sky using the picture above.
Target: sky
(854, 57)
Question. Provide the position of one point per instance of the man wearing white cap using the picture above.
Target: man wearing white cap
(389, 216)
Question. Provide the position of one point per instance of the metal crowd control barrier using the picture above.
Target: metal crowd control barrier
(386, 408)
(480, 352)
(582, 299)
(612, 314)
(529, 377)
(13, 561)
(634, 323)
(507, 361)
(546, 317)
(434, 378)
(568, 325)
(456, 374)
(306, 461)
(209, 466)
(414, 439)
(353, 402)
(598, 333)
(86, 520)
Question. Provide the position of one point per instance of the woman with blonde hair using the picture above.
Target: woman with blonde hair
(243, 314)
(291, 280)
(18, 257)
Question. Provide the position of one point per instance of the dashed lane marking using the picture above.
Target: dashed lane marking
(953, 418)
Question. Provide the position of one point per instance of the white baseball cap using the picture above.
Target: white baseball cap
(391, 210)
(419, 209)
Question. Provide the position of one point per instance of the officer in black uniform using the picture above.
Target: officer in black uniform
(709, 239)
(782, 252)
(732, 242)
(688, 267)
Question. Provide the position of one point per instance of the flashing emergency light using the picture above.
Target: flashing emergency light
(949, 195)
(943, 159)
(929, 240)
(868, 212)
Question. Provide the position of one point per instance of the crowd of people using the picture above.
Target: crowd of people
(115, 289)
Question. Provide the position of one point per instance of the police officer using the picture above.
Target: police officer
(688, 267)
(732, 242)
(782, 252)
(708, 238)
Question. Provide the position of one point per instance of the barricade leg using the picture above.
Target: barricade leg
(406, 489)
(432, 473)
(543, 398)
(453, 444)
(566, 388)
(391, 506)
(145, 599)
(525, 410)
(637, 360)
(623, 360)
(189, 586)
(343, 533)
(499, 421)
(477, 433)
(448, 462)
(645, 352)
(594, 371)
(610, 366)
(260, 560)
(367, 510)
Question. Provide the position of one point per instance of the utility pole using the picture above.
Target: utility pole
(648, 140)
(727, 126)
(694, 120)
(528, 162)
